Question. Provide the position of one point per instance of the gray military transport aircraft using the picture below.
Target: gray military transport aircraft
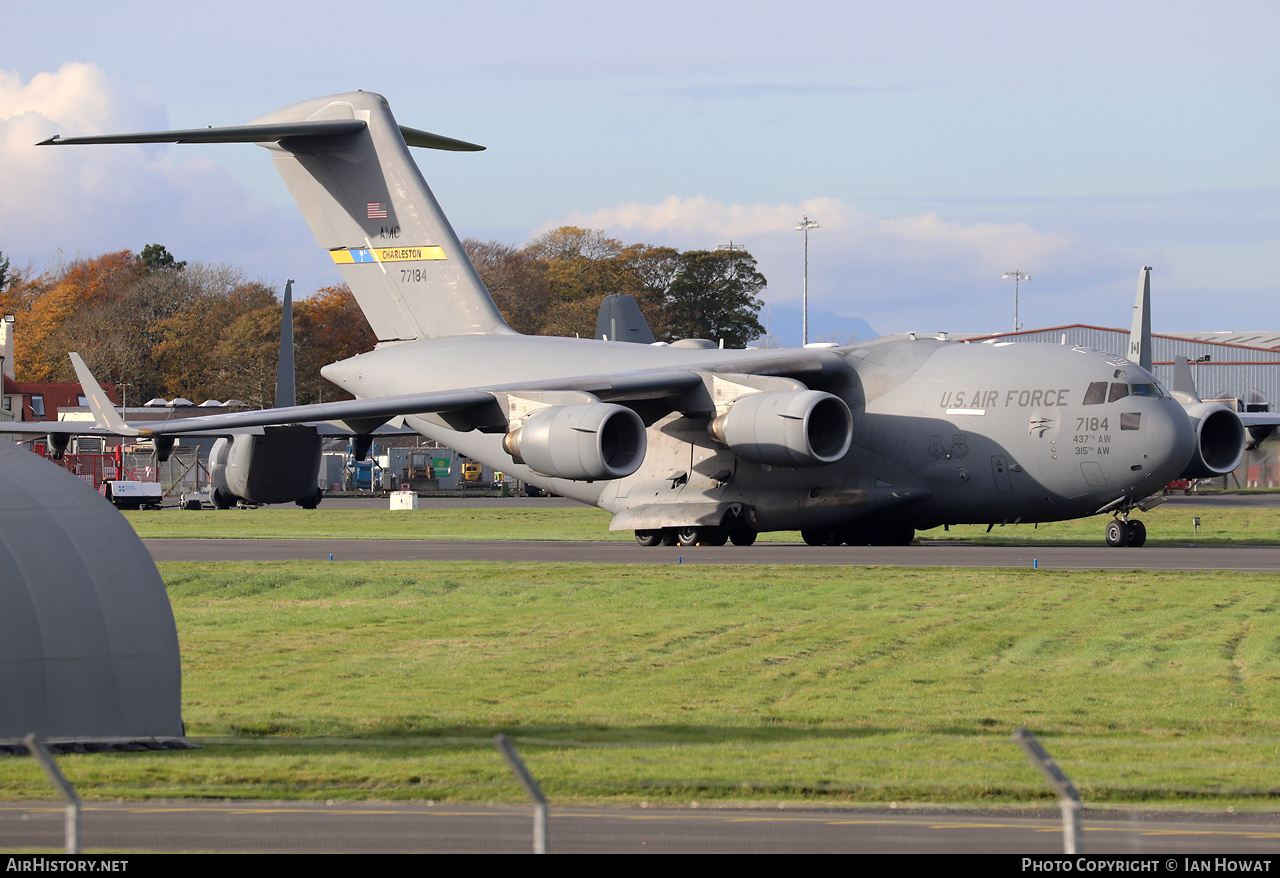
(686, 443)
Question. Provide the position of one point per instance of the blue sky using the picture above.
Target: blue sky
(938, 144)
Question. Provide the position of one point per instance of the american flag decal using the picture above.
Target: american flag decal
(376, 210)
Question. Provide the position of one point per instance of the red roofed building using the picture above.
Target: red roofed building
(40, 400)
(35, 400)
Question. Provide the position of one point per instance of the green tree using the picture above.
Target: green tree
(649, 272)
(713, 295)
(156, 257)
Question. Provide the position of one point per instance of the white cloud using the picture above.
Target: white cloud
(923, 239)
(89, 200)
(892, 271)
(78, 95)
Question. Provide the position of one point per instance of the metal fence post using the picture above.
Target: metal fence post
(1068, 795)
(37, 749)
(531, 788)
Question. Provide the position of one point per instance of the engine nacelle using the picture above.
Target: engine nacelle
(280, 465)
(1220, 441)
(580, 442)
(786, 428)
(57, 444)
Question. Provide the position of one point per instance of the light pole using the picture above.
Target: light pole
(732, 248)
(124, 398)
(805, 225)
(7, 320)
(1018, 276)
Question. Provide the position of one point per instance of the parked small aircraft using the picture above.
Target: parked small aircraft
(686, 443)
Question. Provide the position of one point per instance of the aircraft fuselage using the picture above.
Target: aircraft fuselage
(943, 432)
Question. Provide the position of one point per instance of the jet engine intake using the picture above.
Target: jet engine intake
(786, 428)
(581, 442)
(1220, 441)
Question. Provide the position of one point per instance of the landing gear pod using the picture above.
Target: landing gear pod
(280, 465)
(1220, 441)
(791, 428)
(580, 442)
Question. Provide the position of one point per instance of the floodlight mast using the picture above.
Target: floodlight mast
(804, 226)
(1018, 276)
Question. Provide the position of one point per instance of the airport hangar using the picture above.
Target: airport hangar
(1244, 366)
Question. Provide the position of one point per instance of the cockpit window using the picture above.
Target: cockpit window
(1098, 391)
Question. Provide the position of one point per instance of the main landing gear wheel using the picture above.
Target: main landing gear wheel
(1137, 533)
(1126, 533)
(817, 536)
(1117, 533)
(702, 536)
(695, 536)
(689, 536)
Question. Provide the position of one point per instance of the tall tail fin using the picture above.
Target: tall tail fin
(347, 164)
(286, 389)
(369, 206)
(621, 320)
(1140, 332)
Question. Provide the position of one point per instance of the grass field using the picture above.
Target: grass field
(670, 684)
(1166, 525)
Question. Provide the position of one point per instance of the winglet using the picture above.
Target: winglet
(105, 416)
(1140, 333)
(1184, 386)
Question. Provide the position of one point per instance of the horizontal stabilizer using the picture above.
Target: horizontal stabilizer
(232, 134)
(426, 139)
(272, 133)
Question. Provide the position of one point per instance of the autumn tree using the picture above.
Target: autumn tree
(582, 266)
(188, 340)
(247, 354)
(555, 284)
(517, 281)
(71, 309)
(328, 326)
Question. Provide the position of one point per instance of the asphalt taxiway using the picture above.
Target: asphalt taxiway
(1245, 559)
(417, 827)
